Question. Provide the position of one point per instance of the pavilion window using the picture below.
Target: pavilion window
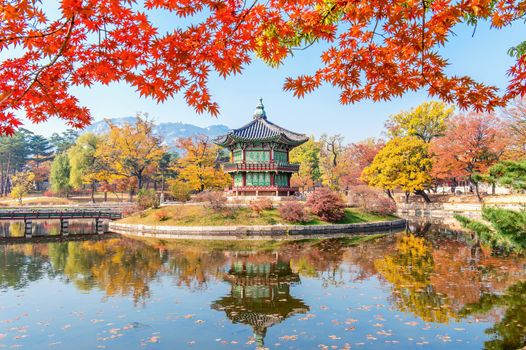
(238, 180)
(281, 180)
(258, 156)
(238, 156)
(280, 157)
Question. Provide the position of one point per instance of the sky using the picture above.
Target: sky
(482, 56)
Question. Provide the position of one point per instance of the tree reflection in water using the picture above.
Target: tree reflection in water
(437, 278)
(260, 292)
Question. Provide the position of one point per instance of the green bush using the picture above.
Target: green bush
(147, 199)
(181, 191)
(505, 229)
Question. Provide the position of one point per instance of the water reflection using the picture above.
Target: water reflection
(436, 278)
(260, 292)
(15, 228)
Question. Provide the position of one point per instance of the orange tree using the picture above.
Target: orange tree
(471, 144)
(374, 49)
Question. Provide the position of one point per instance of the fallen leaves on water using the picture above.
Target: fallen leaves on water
(289, 337)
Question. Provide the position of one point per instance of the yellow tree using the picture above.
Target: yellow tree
(22, 183)
(404, 163)
(426, 121)
(199, 166)
(130, 151)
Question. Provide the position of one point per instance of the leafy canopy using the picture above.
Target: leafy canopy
(375, 50)
(404, 163)
(426, 121)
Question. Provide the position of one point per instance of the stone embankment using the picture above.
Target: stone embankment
(444, 212)
(270, 232)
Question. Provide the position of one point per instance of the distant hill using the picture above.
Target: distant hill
(168, 131)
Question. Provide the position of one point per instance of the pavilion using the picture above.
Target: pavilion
(259, 157)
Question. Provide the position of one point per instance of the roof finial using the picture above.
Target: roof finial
(260, 110)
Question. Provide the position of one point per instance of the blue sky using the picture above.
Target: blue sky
(483, 57)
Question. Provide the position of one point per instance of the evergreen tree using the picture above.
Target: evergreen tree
(62, 142)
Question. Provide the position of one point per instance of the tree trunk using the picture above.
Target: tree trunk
(407, 197)
(390, 195)
(477, 192)
(424, 195)
(93, 192)
(105, 196)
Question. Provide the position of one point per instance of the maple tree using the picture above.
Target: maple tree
(356, 157)
(471, 144)
(375, 50)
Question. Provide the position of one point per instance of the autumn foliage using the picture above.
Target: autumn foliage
(326, 204)
(260, 204)
(373, 50)
(471, 144)
(293, 212)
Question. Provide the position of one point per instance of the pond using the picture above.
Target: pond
(401, 291)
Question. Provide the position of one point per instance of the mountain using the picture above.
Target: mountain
(168, 131)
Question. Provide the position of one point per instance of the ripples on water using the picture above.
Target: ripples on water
(398, 292)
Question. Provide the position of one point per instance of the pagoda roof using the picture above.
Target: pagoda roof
(260, 129)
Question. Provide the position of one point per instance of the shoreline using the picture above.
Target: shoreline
(263, 232)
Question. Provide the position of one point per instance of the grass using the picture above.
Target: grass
(197, 215)
(30, 201)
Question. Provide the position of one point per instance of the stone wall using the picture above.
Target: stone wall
(272, 232)
(443, 213)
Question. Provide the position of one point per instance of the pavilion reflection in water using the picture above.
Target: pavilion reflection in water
(260, 293)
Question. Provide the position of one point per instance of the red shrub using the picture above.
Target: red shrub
(213, 199)
(129, 210)
(161, 215)
(260, 204)
(49, 193)
(326, 204)
(371, 200)
(293, 212)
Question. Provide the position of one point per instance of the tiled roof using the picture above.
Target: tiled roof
(260, 129)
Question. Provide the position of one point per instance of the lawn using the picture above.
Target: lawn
(198, 215)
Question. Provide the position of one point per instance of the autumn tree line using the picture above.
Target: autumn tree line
(424, 148)
(127, 159)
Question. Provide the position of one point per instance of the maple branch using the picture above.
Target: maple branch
(49, 64)
(316, 40)
(244, 15)
(373, 33)
(422, 53)
(40, 35)
(45, 91)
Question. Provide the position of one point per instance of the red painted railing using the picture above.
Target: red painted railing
(271, 166)
(264, 188)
